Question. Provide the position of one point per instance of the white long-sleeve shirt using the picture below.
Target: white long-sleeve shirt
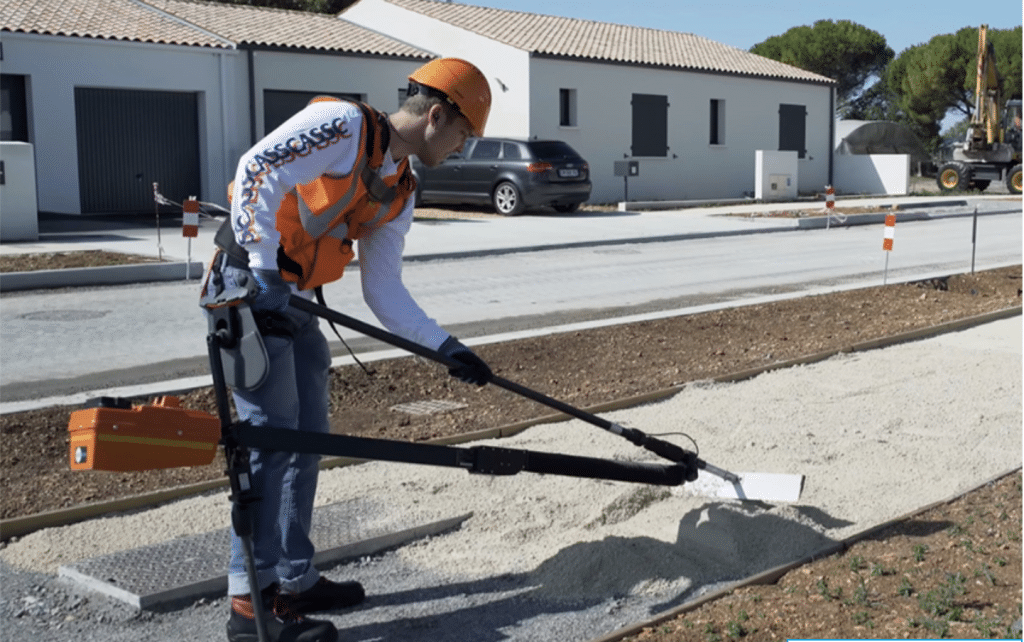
(323, 139)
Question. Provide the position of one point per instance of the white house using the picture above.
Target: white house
(691, 111)
(115, 95)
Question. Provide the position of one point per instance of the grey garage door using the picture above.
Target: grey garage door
(127, 140)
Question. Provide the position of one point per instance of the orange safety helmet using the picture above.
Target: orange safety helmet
(461, 84)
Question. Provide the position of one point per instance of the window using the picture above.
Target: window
(650, 125)
(486, 149)
(717, 122)
(13, 108)
(567, 108)
(511, 151)
(793, 129)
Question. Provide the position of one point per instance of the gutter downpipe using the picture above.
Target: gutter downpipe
(831, 132)
(226, 165)
(252, 95)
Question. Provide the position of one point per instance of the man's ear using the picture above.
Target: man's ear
(435, 116)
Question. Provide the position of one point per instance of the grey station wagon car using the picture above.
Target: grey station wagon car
(510, 174)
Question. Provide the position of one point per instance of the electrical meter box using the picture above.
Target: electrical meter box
(118, 437)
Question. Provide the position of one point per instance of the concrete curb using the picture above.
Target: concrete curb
(105, 275)
(801, 204)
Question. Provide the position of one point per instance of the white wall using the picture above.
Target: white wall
(872, 174)
(19, 216)
(693, 169)
(56, 65)
(506, 68)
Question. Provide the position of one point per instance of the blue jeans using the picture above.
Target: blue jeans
(294, 396)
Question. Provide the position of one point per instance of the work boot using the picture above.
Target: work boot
(325, 595)
(282, 624)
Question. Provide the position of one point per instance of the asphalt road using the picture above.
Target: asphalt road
(61, 342)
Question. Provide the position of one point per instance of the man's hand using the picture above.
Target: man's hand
(473, 368)
(273, 293)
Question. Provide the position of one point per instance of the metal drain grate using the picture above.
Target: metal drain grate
(428, 407)
(182, 570)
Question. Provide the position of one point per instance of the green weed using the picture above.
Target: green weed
(878, 569)
(906, 589)
(825, 592)
(941, 602)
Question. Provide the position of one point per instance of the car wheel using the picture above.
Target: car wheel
(566, 208)
(507, 200)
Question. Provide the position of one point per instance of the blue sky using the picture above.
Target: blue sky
(744, 23)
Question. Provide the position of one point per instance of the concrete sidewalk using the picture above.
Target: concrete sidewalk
(445, 238)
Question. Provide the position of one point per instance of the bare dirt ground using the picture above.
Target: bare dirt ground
(954, 572)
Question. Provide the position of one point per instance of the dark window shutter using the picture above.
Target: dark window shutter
(793, 129)
(650, 125)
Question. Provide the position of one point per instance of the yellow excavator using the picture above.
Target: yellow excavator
(992, 149)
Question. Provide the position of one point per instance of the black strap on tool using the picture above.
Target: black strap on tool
(485, 460)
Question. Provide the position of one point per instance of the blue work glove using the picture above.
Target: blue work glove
(473, 368)
(273, 294)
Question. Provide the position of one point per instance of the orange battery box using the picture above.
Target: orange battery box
(117, 437)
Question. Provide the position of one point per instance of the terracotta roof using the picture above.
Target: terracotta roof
(602, 41)
(244, 24)
(108, 19)
(192, 22)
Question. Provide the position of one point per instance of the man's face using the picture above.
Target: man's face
(446, 133)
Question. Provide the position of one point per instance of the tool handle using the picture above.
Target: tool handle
(660, 447)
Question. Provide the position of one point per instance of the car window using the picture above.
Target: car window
(551, 149)
(511, 151)
(486, 149)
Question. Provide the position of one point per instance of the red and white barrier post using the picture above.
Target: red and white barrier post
(890, 233)
(189, 228)
(830, 206)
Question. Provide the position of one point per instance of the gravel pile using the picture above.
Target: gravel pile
(876, 434)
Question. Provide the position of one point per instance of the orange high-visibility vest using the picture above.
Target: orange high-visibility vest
(320, 220)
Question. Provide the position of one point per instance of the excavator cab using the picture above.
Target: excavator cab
(1012, 125)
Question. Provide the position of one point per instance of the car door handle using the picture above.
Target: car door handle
(494, 167)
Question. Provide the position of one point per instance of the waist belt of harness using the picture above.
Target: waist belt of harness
(239, 257)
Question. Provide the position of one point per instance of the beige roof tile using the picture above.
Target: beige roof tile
(109, 19)
(601, 41)
(282, 28)
(193, 22)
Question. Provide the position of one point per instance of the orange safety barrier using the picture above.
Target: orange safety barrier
(190, 218)
(890, 232)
